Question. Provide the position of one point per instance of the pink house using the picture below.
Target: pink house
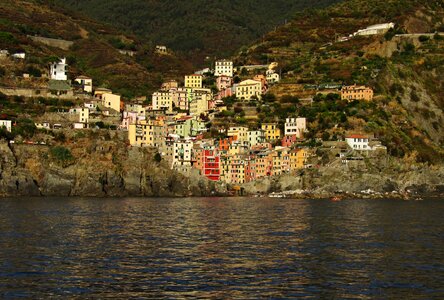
(224, 82)
(129, 117)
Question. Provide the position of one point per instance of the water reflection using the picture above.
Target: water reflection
(221, 248)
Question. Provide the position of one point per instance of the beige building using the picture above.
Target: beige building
(82, 112)
(112, 101)
(86, 83)
(354, 92)
(162, 100)
(193, 81)
(240, 133)
(247, 89)
(147, 133)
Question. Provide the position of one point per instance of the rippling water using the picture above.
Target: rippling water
(221, 248)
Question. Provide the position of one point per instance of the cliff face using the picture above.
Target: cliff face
(376, 176)
(98, 169)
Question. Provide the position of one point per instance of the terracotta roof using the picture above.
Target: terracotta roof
(356, 136)
(83, 77)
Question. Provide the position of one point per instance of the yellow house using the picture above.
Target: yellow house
(272, 132)
(145, 133)
(298, 159)
(112, 101)
(193, 81)
(162, 100)
(247, 89)
(241, 133)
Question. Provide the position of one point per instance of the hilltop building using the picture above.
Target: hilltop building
(295, 126)
(223, 68)
(248, 89)
(7, 124)
(58, 70)
(354, 92)
(193, 81)
(376, 29)
(85, 82)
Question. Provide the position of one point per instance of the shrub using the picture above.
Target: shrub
(423, 38)
(158, 157)
(61, 155)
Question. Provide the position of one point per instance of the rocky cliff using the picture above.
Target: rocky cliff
(97, 168)
(375, 177)
(99, 163)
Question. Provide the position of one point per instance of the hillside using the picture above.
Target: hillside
(198, 27)
(404, 70)
(94, 51)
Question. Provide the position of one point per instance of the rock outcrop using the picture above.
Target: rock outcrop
(99, 169)
(107, 167)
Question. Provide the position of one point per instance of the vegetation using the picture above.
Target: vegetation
(61, 155)
(211, 27)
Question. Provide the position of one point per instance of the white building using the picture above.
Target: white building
(295, 126)
(44, 125)
(223, 67)
(358, 142)
(86, 83)
(162, 100)
(59, 70)
(7, 124)
(272, 77)
(256, 137)
(375, 29)
(20, 55)
(83, 113)
(182, 155)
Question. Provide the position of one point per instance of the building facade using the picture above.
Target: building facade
(59, 70)
(249, 89)
(355, 92)
(223, 68)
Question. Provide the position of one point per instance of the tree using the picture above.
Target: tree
(158, 157)
(61, 155)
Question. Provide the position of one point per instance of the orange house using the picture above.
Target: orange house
(354, 92)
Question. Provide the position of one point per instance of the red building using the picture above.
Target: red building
(224, 144)
(211, 164)
(289, 140)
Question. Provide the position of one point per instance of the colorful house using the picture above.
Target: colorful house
(249, 89)
(355, 92)
(193, 81)
(272, 132)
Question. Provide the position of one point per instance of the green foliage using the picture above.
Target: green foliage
(423, 38)
(7, 38)
(4, 134)
(158, 157)
(209, 26)
(61, 155)
(24, 128)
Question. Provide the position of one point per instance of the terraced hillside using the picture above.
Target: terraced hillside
(404, 67)
(94, 51)
(200, 27)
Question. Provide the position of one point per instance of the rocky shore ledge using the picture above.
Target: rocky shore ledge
(109, 168)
